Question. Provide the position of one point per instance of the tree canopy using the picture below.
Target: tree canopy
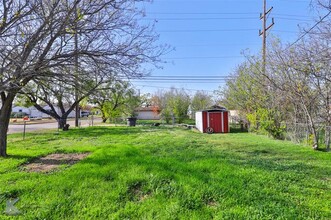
(66, 42)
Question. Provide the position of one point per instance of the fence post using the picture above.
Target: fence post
(24, 125)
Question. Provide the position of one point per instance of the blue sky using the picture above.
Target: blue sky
(209, 36)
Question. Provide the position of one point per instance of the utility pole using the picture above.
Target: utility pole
(265, 28)
(77, 115)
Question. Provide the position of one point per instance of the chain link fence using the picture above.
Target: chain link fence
(301, 133)
(295, 132)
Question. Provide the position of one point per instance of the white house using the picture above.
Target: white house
(17, 109)
(58, 111)
(234, 116)
(148, 113)
(35, 113)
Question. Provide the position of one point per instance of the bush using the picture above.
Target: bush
(266, 121)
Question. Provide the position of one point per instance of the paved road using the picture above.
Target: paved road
(14, 128)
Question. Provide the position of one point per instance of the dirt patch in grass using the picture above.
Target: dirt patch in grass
(52, 161)
(212, 203)
(137, 193)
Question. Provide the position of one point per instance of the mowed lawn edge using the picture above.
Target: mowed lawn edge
(166, 173)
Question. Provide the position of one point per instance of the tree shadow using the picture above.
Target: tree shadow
(19, 157)
(102, 131)
(236, 130)
(323, 150)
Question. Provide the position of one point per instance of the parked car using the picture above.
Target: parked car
(36, 117)
(84, 114)
(18, 114)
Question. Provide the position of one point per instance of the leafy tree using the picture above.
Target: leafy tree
(160, 100)
(249, 91)
(201, 100)
(292, 72)
(294, 89)
(243, 91)
(173, 103)
(115, 99)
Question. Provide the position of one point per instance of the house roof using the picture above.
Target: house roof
(148, 109)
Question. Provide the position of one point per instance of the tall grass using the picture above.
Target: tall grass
(167, 173)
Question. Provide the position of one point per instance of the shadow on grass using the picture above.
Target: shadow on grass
(237, 130)
(102, 131)
(171, 174)
(150, 164)
(323, 150)
(262, 158)
(190, 172)
(19, 157)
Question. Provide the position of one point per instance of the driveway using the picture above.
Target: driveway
(17, 128)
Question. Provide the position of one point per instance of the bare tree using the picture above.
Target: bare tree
(317, 55)
(56, 97)
(38, 40)
(303, 72)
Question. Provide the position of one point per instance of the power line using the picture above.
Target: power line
(303, 35)
(202, 13)
(186, 79)
(220, 30)
(202, 19)
(218, 18)
(182, 79)
(208, 30)
(221, 13)
(292, 15)
(296, 1)
(190, 76)
(189, 82)
(216, 44)
(179, 80)
(292, 19)
(216, 57)
(162, 87)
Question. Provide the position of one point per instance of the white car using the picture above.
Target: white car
(84, 114)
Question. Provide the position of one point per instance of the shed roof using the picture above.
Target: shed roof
(215, 108)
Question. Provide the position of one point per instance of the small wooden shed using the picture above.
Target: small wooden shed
(214, 120)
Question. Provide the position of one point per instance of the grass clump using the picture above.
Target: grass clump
(166, 173)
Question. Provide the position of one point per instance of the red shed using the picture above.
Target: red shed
(213, 121)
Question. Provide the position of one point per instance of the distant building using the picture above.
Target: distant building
(32, 112)
(234, 116)
(19, 109)
(148, 113)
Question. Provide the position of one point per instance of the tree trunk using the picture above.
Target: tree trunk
(327, 138)
(328, 127)
(312, 125)
(314, 133)
(4, 121)
(315, 144)
(62, 123)
(103, 115)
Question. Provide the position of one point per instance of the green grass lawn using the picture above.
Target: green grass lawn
(167, 173)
